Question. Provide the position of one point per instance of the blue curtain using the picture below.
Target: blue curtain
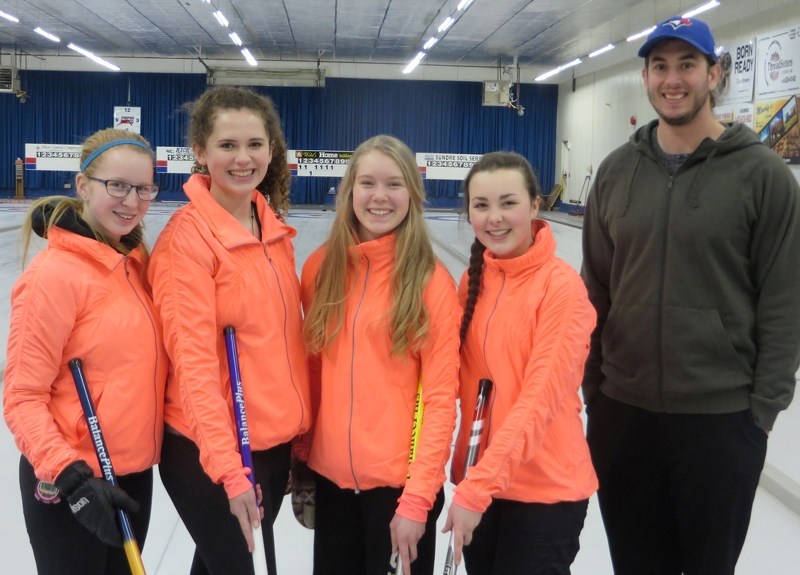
(437, 117)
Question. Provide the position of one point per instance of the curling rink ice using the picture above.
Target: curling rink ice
(773, 543)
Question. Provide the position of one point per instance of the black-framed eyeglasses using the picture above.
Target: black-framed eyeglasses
(117, 189)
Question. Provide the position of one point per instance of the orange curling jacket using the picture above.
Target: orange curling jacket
(208, 273)
(530, 335)
(366, 396)
(80, 298)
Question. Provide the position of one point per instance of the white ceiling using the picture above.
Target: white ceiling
(541, 34)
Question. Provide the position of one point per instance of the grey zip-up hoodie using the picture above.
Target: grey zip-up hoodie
(695, 278)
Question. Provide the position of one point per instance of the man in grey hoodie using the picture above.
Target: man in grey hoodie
(692, 260)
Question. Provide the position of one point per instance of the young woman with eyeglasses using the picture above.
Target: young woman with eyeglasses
(85, 295)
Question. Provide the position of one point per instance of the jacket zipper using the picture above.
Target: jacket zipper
(495, 389)
(352, 376)
(660, 300)
(155, 341)
(286, 336)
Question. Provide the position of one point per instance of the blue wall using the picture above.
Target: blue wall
(441, 117)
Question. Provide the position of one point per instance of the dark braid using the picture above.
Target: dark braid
(489, 163)
(474, 274)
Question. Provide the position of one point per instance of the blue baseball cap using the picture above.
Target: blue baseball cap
(693, 32)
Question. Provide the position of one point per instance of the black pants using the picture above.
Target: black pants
(517, 538)
(676, 490)
(351, 533)
(62, 546)
(221, 548)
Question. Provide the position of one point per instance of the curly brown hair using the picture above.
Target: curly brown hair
(203, 112)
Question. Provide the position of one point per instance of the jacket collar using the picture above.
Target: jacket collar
(223, 225)
(89, 248)
(381, 247)
(542, 251)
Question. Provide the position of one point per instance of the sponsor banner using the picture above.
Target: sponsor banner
(777, 126)
(53, 157)
(303, 163)
(128, 118)
(739, 113)
(445, 166)
(174, 160)
(778, 63)
(745, 114)
(723, 114)
(738, 64)
(318, 163)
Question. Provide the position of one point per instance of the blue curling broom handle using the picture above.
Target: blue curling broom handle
(242, 432)
(129, 543)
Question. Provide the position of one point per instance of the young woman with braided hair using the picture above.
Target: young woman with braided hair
(526, 326)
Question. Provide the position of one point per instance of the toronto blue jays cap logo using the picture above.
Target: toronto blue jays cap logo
(693, 32)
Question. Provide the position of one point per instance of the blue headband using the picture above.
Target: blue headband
(93, 156)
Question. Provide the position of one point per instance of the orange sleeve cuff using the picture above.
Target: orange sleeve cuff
(413, 507)
(236, 482)
(469, 504)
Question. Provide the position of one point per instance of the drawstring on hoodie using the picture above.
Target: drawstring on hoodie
(695, 187)
(630, 185)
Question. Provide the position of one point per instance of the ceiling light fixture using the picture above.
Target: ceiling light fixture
(638, 35)
(414, 63)
(249, 57)
(603, 50)
(446, 24)
(92, 57)
(463, 5)
(221, 18)
(429, 44)
(235, 37)
(47, 35)
(702, 8)
(555, 71)
(9, 17)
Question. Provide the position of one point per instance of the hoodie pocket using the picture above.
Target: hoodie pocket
(629, 343)
(698, 354)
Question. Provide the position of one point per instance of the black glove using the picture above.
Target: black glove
(93, 501)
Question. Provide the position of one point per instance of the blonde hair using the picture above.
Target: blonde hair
(62, 205)
(414, 260)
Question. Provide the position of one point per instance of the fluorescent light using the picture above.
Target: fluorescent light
(699, 9)
(207, 1)
(92, 57)
(221, 18)
(446, 24)
(640, 34)
(249, 57)
(9, 17)
(47, 35)
(546, 75)
(308, 77)
(463, 5)
(235, 37)
(603, 50)
(429, 44)
(414, 63)
(555, 71)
